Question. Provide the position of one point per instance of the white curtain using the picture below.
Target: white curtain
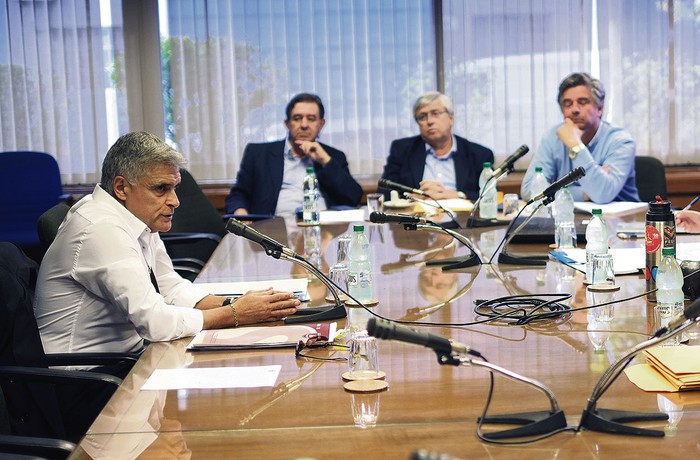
(235, 65)
(504, 61)
(59, 87)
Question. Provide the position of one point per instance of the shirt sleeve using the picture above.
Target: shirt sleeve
(603, 182)
(110, 265)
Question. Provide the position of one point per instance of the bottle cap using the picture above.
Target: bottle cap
(310, 170)
(358, 228)
(668, 252)
(487, 164)
(538, 169)
(597, 211)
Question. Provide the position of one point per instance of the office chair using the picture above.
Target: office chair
(32, 391)
(48, 223)
(196, 231)
(30, 183)
(651, 178)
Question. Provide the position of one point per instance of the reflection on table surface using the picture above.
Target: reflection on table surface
(427, 406)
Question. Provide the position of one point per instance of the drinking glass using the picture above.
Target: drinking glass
(375, 202)
(362, 356)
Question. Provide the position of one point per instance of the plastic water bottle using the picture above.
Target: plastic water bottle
(564, 224)
(538, 185)
(311, 196)
(488, 207)
(669, 296)
(360, 267)
(596, 240)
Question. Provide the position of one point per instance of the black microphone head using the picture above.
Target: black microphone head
(383, 183)
(522, 150)
(235, 226)
(579, 173)
(377, 217)
(380, 328)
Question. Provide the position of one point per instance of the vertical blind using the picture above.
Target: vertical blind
(229, 68)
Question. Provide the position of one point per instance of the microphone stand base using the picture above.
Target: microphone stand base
(314, 314)
(533, 423)
(455, 263)
(612, 421)
(513, 259)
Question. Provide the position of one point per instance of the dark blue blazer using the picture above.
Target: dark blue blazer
(259, 179)
(406, 163)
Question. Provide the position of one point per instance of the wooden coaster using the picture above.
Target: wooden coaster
(369, 303)
(366, 386)
(603, 287)
(364, 375)
(342, 297)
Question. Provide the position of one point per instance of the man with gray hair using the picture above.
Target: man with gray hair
(583, 139)
(106, 283)
(437, 162)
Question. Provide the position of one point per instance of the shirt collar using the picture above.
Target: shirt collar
(289, 154)
(429, 150)
(136, 227)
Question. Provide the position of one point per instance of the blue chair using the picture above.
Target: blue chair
(30, 184)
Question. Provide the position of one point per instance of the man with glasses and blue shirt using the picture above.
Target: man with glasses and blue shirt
(270, 178)
(437, 162)
(606, 152)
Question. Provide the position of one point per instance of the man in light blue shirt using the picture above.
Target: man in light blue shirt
(607, 153)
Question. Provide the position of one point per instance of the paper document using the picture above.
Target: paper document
(340, 217)
(217, 377)
(625, 260)
(453, 204)
(296, 285)
(616, 208)
(668, 369)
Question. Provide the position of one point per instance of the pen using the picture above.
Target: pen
(690, 205)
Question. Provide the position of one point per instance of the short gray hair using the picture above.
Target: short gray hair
(429, 97)
(583, 79)
(133, 155)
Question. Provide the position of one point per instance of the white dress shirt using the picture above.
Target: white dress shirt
(94, 290)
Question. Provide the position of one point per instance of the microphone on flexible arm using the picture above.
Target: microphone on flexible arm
(272, 247)
(498, 173)
(418, 223)
(548, 193)
(388, 330)
(689, 314)
(277, 250)
(612, 421)
(386, 183)
(377, 217)
(510, 161)
(454, 354)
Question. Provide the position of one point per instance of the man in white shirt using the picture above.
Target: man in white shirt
(106, 284)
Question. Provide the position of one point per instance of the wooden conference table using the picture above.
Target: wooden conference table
(427, 406)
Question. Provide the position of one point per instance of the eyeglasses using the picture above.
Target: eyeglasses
(315, 341)
(423, 117)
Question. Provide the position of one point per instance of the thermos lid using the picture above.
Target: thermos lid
(659, 210)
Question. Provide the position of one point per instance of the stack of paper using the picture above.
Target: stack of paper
(668, 369)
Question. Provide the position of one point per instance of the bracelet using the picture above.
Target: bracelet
(235, 315)
(229, 301)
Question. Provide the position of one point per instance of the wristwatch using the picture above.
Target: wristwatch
(227, 301)
(573, 151)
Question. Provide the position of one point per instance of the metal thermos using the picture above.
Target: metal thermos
(660, 233)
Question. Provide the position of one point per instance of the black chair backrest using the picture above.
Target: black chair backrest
(32, 407)
(48, 223)
(651, 178)
(195, 214)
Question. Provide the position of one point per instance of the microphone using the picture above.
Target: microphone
(271, 246)
(387, 330)
(379, 218)
(574, 175)
(510, 161)
(690, 313)
(386, 183)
